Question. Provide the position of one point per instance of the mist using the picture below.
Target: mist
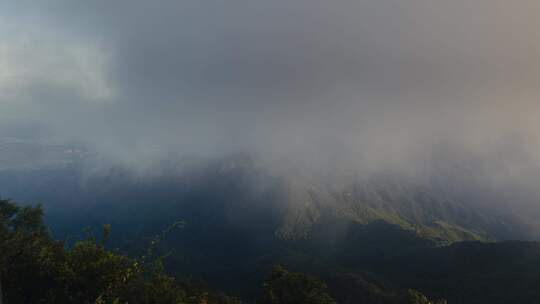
(369, 86)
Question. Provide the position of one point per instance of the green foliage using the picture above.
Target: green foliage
(34, 268)
(422, 211)
(349, 288)
(284, 287)
(415, 297)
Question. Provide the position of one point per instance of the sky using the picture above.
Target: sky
(365, 83)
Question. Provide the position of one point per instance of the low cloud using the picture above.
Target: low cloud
(363, 84)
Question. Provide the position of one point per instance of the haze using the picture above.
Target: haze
(366, 84)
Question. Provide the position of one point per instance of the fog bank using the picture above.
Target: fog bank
(369, 85)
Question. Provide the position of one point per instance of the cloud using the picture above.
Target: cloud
(31, 62)
(369, 83)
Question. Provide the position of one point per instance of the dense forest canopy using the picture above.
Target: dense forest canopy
(35, 268)
(38, 269)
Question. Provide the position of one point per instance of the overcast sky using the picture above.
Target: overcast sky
(376, 82)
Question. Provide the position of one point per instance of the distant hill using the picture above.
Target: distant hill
(242, 217)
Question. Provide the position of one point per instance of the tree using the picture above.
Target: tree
(26, 251)
(284, 287)
(34, 268)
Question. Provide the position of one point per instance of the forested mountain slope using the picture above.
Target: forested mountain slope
(242, 217)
